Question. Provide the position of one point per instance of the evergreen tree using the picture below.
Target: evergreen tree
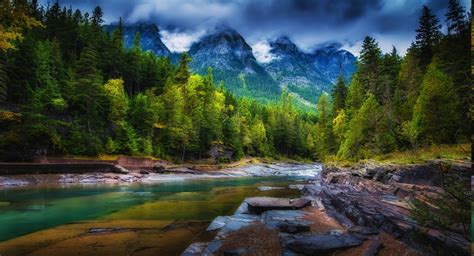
(435, 116)
(339, 95)
(428, 35)
(370, 66)
(324, 130)
(455, 18)
(359, 137)
(182, 72)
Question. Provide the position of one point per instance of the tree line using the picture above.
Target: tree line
(70, 88)
(394, 103)
(67, 87)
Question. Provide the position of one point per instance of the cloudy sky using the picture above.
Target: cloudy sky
(306, 22)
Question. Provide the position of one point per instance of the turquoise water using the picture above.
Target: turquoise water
(30, 209)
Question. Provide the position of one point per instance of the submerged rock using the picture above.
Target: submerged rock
(315, 244)
(267, 188)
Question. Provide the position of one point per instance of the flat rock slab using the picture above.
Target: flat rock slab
(258, 205)
(317, 244)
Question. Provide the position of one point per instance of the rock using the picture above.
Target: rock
(317, 244)
(290, 226)
(103, 230)
(159, 169)
(258, 205)
(194, 249)
(238, 251)
(267, 188)
(217, 223)
(374, 247)
(296, 186)
(243, 209)
(336, 232)
(363, 230)
(144, 172)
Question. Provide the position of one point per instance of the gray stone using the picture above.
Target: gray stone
(315, 244)
(194, 249)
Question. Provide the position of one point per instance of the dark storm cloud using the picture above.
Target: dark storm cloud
(307, 22)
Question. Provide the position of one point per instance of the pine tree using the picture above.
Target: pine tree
(97, 15)
(370, 66)
(455, 18)
(324, 130)
(339, 95)
(435, 116)
(182, 72)
(428, 34)
(361, 131)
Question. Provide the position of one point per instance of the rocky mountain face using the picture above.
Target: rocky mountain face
(150, 37)
(305, 75)
(295, 70)
(233, 62)
(331, 60)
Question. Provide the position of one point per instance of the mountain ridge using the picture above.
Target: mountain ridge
(305, 75)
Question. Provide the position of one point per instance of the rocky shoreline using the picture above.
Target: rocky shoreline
(160, 173)
(352, 211)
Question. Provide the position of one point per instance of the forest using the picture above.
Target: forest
(68, 87)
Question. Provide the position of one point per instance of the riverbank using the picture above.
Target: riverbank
(162, 172)
(362, 210)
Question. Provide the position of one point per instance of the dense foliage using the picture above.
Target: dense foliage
(68, 87)
(72, 88)
(395, 103)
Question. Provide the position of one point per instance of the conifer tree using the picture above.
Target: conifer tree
(339, 93)
(428, 34)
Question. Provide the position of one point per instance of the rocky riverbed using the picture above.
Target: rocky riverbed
(343, 211)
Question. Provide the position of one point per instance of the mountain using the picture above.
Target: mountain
(330, 59)
(305, 75)
(150, 37)
(294, 69)
(233, 62)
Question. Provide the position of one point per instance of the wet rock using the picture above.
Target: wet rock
(375, 245)
(258, 205)
(144, 172)
(317, 244)
(296, 186)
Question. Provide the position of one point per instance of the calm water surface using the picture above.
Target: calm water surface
(31, 209)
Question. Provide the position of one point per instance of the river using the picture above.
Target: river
(128, 219)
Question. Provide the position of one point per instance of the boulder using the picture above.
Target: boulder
(310, 244)
(258, 205)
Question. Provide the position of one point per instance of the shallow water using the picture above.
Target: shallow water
(160, 218)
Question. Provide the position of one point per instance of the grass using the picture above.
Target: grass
(453, 153)
(459, 152)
